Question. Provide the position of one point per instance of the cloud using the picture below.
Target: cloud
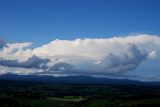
(16, 51)
(97, 47)
(32, 62)
(17, 70)
(104, 56)
(152, 55)
(109, 64)
(61, 67)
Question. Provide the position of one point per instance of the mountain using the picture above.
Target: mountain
(71, 79)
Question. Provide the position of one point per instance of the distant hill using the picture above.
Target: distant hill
(71, 79)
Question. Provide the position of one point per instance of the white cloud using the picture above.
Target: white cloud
(85, 56)
(152, 55)
(97, 47)
(15, 51)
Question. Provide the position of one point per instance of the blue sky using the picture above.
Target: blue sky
(42, 21)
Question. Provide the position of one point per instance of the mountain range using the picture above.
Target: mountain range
(71, 79)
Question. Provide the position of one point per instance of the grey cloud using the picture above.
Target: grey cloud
(32, 62)
(122, 63)
(62, 67)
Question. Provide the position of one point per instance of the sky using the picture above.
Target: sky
(108, 38)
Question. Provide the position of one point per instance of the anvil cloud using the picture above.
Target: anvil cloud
(102, 56)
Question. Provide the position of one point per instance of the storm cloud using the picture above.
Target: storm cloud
(109, 64)
(104, 56)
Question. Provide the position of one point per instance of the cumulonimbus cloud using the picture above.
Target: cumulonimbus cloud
(82, 56)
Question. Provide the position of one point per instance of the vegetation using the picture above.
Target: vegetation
(33, 94)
